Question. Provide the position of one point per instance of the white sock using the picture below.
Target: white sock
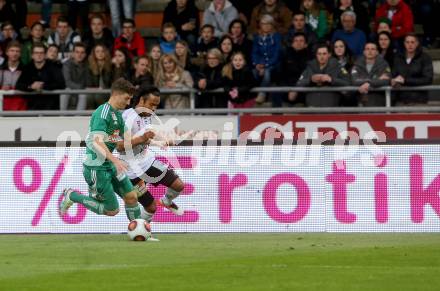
(146, 215)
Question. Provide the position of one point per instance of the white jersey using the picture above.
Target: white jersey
(140, 158)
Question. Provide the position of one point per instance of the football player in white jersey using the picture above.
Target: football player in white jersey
(143, 167)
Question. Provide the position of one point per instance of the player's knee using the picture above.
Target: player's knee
(131, 198)
(111, 212)
(151, 208)
(178, 185)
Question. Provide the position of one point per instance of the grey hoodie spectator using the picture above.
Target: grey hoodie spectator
(75, 74)
(220, 14)
(324, 71)
(371, 71)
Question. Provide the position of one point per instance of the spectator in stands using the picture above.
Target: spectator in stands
(401, 17)
(316, 18)
(169, 38)
(172, 76)
(142, 72)
(371, 71)
(130, 39)
(324, 71)
(384, 25)
(240, 41)
(52, 55)
(183, 57)
(64, 37)
(427, 11)
(280, 13)
(354, 38)
(362, 21)
(41, 75)
(9, 73)
(75, 75)
(79, 8)
(220, 14)
(98, 34)
(226, 47)
(295, 62)
(299, 26)
(266, 52)
(386, 47)
(238, 80)
(121, 63)
(206, 42)
(184, 15)
(20, 12)
(7, 13)
(46, 12)
(99, 74)
(245, 9)
(8, 34)
(413, 67)
(36, 36)
(155, 54)
(343, 54)
(118, 9)
(210, 78)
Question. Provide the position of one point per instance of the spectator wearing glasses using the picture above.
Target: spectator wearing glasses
(130, 39)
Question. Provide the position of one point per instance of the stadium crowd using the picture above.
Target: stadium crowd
(233, 45)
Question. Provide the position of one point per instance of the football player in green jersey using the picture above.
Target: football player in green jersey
(103, 172)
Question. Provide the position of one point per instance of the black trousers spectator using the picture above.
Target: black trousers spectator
(81, 9)
(21, 12)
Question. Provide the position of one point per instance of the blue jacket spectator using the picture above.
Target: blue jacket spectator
(266, 49)
(354, 37)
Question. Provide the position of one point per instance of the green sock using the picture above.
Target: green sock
(88, 202)
(133, 211)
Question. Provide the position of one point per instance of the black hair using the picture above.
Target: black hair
(144, 92)
(210, 26)
(299, 34)
(128, 20)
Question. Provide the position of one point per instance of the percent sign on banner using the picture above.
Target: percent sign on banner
(35, 184)
(37, 178)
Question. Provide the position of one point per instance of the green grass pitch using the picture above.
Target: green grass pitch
(221, 262)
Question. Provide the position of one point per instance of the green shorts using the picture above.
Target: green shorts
(103, 185)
